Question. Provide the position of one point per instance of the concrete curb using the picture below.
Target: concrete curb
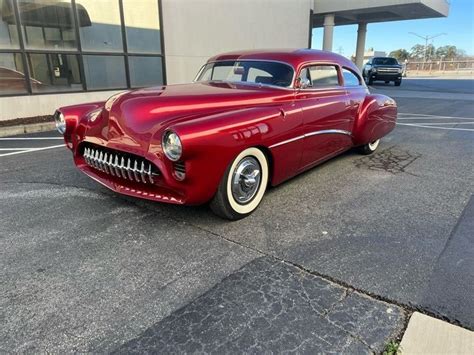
(427, 335)
(28, 128)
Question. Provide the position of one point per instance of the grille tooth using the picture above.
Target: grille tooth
(129, 169)
(150, 175)
(135, 172)
(86, 155)
(122, 168)
(101, 156)
(111, 164)
(142, 172)
(116, 166)
(93, 158)
(104, 163)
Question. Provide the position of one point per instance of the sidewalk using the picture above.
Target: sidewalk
(427, 335)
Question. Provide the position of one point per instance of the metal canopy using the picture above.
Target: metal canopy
(353, 12)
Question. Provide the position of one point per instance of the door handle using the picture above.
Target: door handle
(283, 113)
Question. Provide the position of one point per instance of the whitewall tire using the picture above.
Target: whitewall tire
(243, 185)
(369, 148)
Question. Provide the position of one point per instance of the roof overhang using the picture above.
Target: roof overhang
(352, 12)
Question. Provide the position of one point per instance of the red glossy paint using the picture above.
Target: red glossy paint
(217, 120)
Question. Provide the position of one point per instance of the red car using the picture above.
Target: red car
(250, 119)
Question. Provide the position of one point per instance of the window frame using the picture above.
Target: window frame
(24, 52)
(361, 82)
(340, 79)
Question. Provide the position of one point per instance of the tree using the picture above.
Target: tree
(417, 51)
(401, 54)
(447, 52)
(421, 52)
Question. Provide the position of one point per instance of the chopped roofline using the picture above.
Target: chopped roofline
(294, 57)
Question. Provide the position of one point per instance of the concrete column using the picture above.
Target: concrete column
(361, 32)
(328, 32)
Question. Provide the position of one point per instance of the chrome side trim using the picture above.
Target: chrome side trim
(315, 133)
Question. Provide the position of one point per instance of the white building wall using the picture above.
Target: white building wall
(38, 105)
(195, 30)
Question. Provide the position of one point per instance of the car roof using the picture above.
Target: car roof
(295, 57)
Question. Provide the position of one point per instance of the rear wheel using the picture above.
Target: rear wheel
(243, 185)
(369, 148)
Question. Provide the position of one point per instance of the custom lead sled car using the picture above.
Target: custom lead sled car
(250, 119)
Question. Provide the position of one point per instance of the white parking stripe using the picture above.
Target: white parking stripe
(4, 149)
(32, 150)
(433, 116)
(446, 128)
(440, 123)
(29, 138)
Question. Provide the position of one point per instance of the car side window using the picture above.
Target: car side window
(350, 78)
(323, 75)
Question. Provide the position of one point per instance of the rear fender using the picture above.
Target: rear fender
(376, 118)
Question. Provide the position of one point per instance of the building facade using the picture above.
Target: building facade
(60, 52)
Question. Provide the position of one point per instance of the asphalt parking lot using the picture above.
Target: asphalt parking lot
(333, 260)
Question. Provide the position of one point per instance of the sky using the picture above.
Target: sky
(389, 36)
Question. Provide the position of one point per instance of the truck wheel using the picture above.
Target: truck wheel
(386, 81)
(371, 81)
(398, 82)
(243, 185)
(369, 148)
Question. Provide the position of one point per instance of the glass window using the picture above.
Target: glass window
(384, 61)
(323, 75)
(102, 31)
(48, 24)
(270, 73)
(54, 72)
(145, 71)
(104, 72)
(142, 23)
(350, 78)
(12, 78)
(8, 29)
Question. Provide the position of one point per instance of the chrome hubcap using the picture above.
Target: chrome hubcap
(246, 180)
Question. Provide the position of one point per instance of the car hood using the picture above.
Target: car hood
(135, 116)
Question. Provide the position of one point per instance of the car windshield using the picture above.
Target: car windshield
(248, 71)
(385, 61)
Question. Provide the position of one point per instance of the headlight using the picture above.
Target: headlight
(172, 146)
(60, 122)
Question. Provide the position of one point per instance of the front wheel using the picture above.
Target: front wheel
(243, 185)
(369, 148)
(398, 82)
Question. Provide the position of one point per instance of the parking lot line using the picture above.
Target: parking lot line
(29, 150)
(442, 123)
(29, 138)
(421, 116)
(436, 127)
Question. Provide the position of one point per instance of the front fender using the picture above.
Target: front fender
(211, 143)
(376, 118)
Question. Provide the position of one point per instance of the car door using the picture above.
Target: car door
(327, 120)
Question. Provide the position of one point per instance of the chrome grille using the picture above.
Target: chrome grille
(123, 165)
(387, 70)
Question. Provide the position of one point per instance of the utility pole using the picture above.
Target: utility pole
(426, 38)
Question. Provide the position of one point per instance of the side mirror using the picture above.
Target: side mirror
(303, 83)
